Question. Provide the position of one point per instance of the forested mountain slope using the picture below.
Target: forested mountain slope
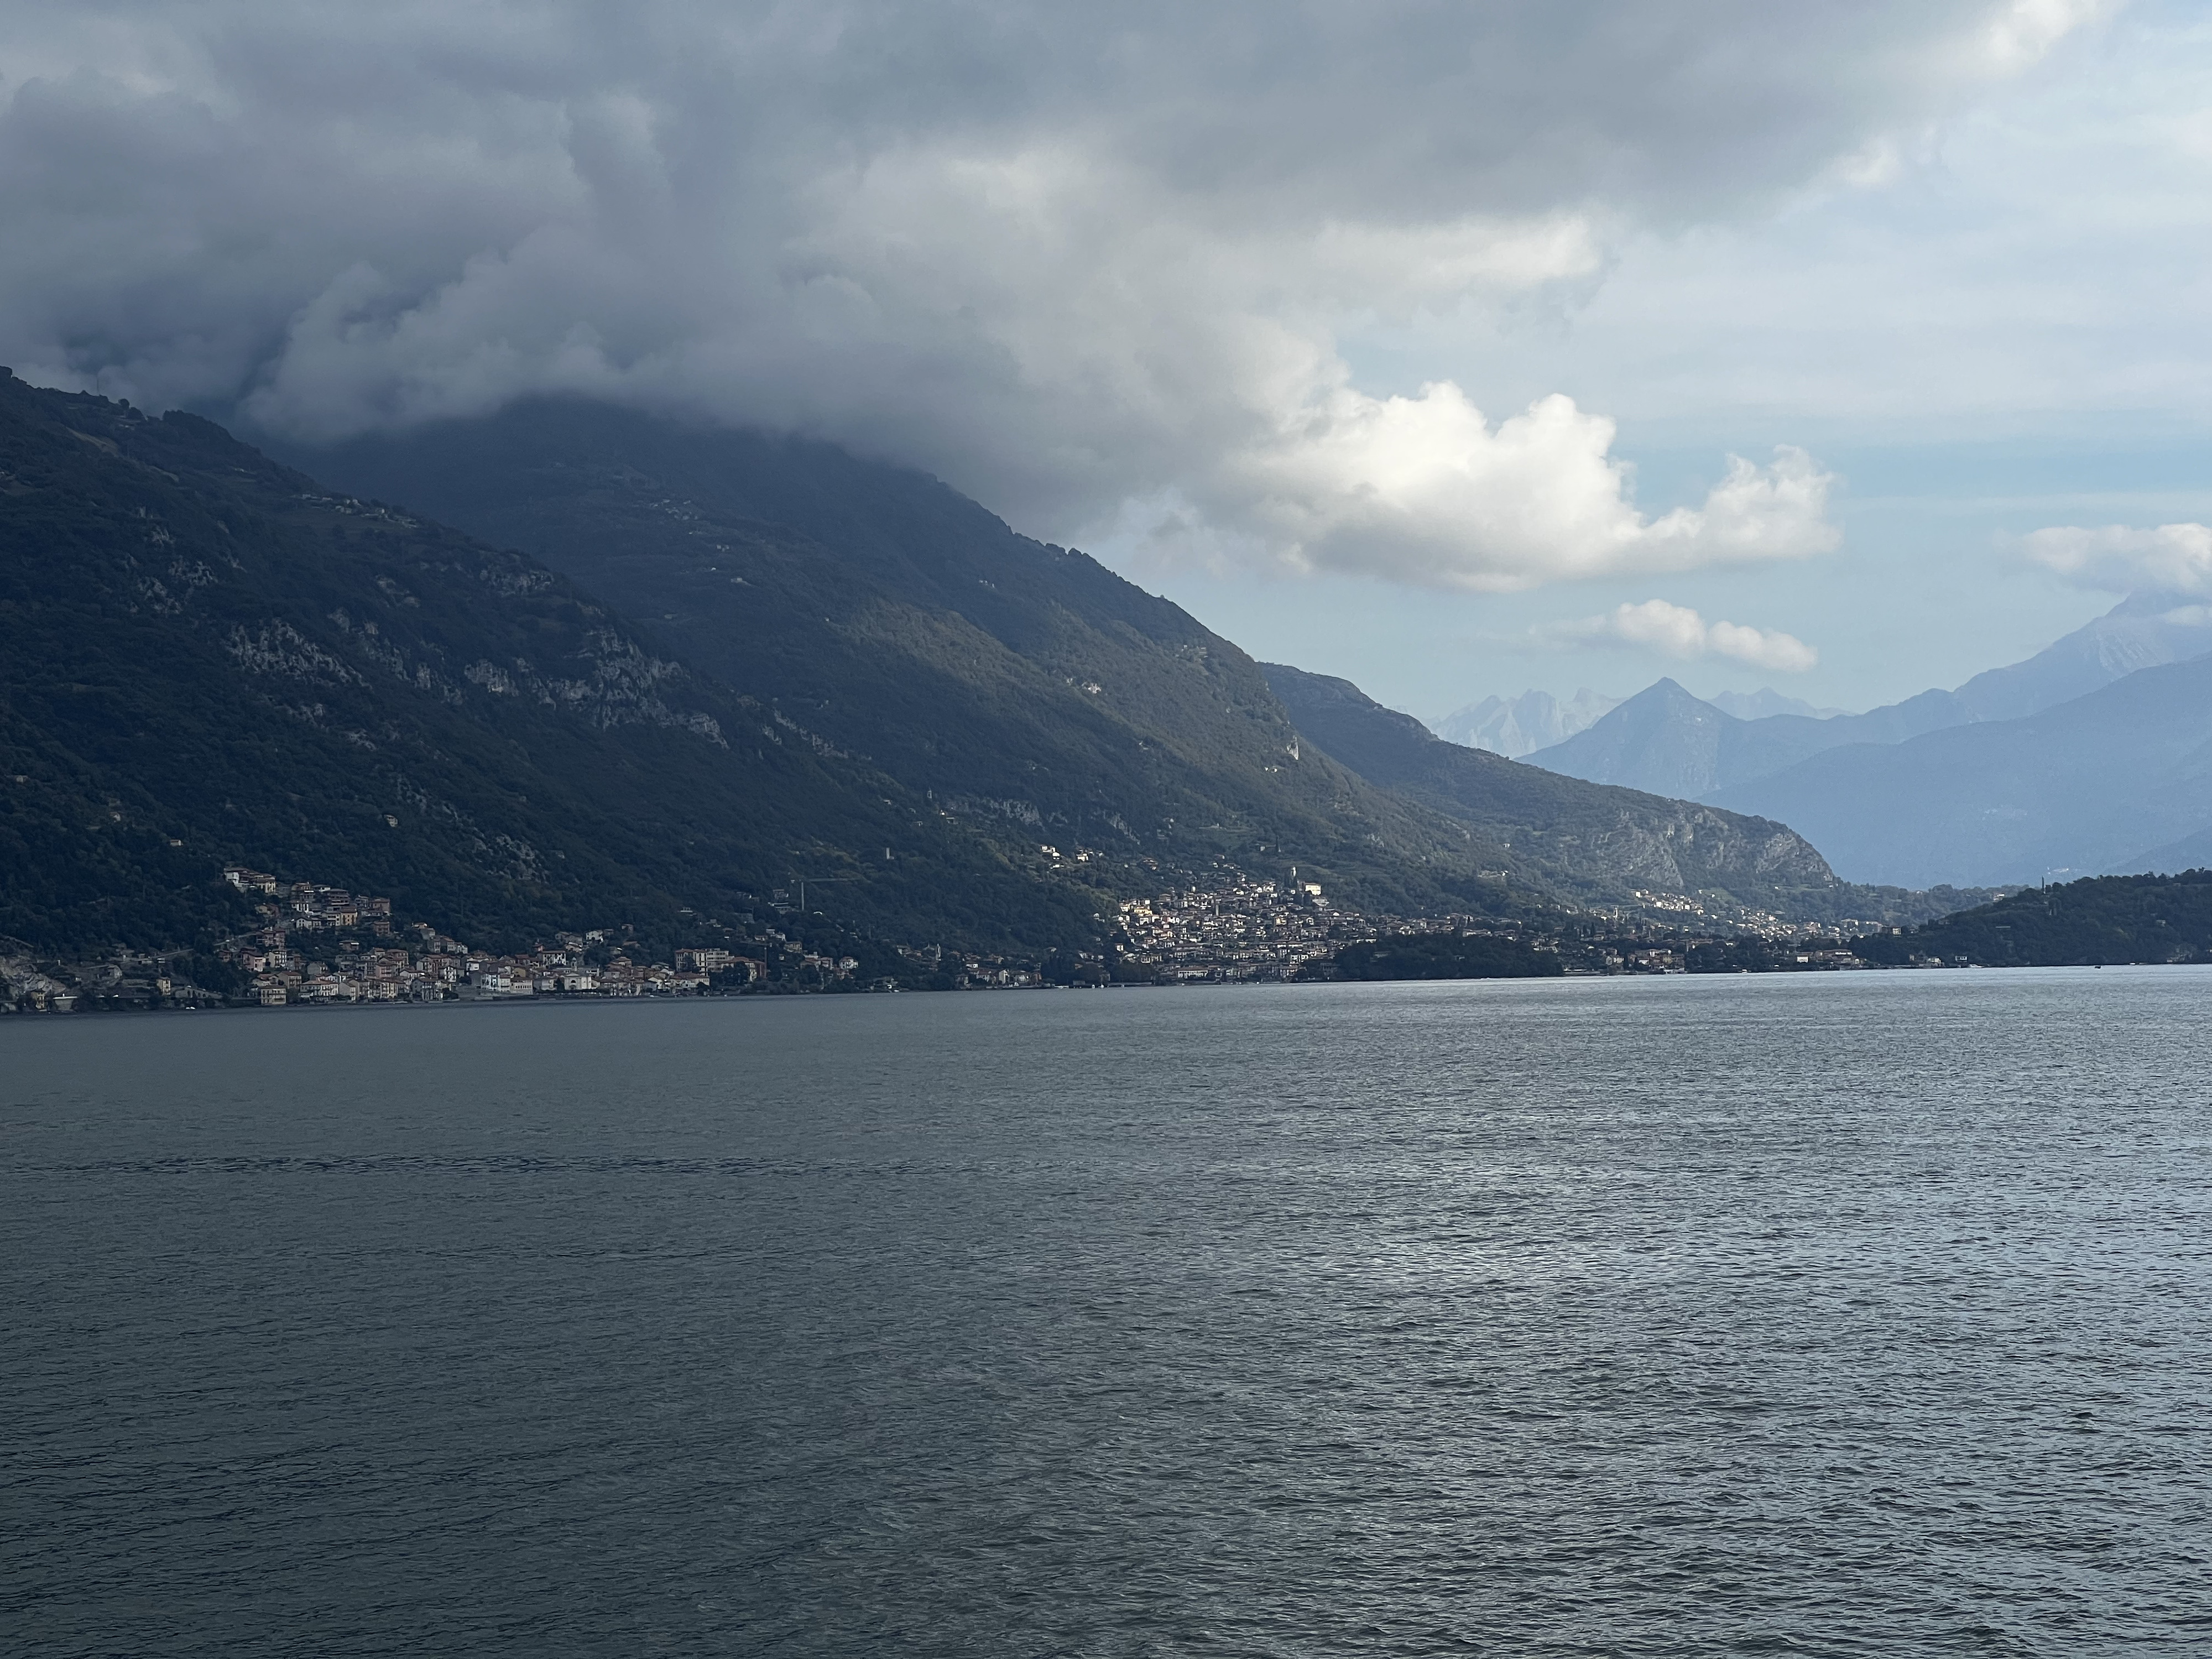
(1021, 683)
(2104, 920)
(210, 659)
(1022, 686)
(213, 657)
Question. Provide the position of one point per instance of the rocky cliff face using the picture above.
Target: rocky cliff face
(1532, 720)
(1685, 848)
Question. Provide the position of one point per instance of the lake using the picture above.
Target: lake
(1816, 1314)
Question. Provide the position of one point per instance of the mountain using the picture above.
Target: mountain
(1594, 842)
(1766, 701)
(2104, 920)
(718, 664)
(210, 659)
(2190, 852)
(1765, 746)
(1532, 720)
(1020, 685)
(2091, 784)
(1666, 740)
(1662, 740)
(2144, 630)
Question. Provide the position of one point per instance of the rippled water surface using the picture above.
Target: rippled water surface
(1833, 1315)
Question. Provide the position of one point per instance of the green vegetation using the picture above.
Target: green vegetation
(1021, 686)
(1446, 956)
(209, 659)
(2099, 920)
(864, 714)
(1593, 843)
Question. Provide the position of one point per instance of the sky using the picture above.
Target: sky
(1458, 349)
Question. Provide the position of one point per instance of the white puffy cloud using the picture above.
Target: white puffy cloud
(1676, 630)
(1426, 490)
(1070, 258)
(2172, 558)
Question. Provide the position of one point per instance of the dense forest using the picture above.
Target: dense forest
(2098, 920)
(1446, 956)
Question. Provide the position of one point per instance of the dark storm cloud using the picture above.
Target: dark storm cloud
(1070, 256)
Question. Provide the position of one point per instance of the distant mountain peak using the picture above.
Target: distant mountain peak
(1520, 725)
(1608, 844)
(1766, 702)
(2086, 784)
(2147, 629)
(1663, 740)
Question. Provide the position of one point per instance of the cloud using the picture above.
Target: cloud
(1675, 630)
(2173, 558)
(1424, 490)
(1069, 257)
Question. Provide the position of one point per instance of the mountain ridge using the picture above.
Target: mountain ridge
(1681, 752)
(2089, 784)
(1015, 683)
(212, 660)
(1647, 840)
(958, 732)
(1071, 696)
(1522, 725)
(2099, 920)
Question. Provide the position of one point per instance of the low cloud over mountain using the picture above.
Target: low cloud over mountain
(1081, 262)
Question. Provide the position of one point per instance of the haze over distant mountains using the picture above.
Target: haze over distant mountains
(2095, 754)
(2114, 780)
(1660, 844)
(1521, 726)
(1766, 702)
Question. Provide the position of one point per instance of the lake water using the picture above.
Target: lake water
(1835, 1314)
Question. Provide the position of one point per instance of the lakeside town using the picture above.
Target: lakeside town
(1238, 929)
(321, 944)
(318, 944)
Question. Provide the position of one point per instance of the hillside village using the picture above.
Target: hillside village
(1239, 928)
(318, 944)
(323, 945)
